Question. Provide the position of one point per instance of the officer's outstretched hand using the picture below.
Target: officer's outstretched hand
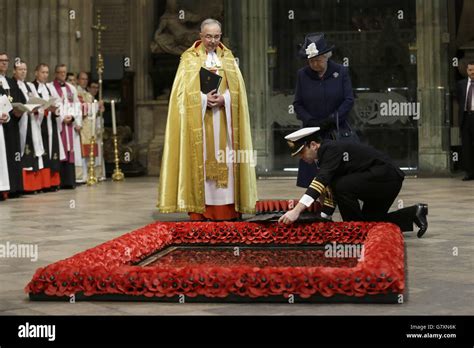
(292, 215)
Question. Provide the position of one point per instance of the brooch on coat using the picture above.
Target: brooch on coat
(336, 74)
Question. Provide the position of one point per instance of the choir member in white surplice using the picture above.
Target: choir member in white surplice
(81, 169)
(50, 126)
(71, 116)
(32, 149)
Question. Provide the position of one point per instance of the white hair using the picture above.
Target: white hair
(328, 54)
(210, 21)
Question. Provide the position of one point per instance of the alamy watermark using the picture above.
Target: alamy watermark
(28, 330)
(394, 108)
(237, 156)
(337, 250)
(21, 251)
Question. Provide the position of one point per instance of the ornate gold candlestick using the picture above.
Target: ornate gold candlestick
(117, 175)
(92, 180)
(100, 60)
(99, 28)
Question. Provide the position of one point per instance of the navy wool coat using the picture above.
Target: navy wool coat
(317, 100)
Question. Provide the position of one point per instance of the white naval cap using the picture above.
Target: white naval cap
(297, 140)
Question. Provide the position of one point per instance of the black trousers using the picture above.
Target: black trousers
(467, 136)
(377, 194)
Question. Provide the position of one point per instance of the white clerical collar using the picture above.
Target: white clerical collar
(212, 60)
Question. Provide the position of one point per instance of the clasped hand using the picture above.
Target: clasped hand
(213, 99)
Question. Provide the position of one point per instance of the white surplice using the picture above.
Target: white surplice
(4, 179)
(35, 126)
(213, 194)
(46, 95)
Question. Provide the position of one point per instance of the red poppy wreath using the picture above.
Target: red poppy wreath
(113, 267)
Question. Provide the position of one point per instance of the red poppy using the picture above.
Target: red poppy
(108, 268)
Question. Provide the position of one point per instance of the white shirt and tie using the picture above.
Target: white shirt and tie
(470, 86)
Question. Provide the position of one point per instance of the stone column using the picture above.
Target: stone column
(157, 112)
(86, 43)
(42, 31)
(148, 114)
(63, 31)
(141, 28)
(254, 65)
(432, 65)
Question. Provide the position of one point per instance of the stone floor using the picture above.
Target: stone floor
(67, 222)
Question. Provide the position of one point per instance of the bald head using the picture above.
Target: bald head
(83, 79)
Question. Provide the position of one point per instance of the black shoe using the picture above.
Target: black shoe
(468, 178)
(420, 218)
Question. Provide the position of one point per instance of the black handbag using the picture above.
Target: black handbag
(348, 136)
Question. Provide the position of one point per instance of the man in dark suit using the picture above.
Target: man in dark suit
(465, 95)
(354, 172)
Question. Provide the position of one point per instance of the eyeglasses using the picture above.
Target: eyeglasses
(210, 37)
(4, 60)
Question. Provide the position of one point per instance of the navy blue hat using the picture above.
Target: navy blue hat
(314, 45)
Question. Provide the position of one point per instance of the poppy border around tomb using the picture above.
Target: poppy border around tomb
(109, 271)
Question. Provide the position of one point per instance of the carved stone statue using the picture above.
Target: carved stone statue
(179, 25)
(178, 28)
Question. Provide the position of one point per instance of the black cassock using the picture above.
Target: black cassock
(29, 160)
(12, 140)
(50, 160)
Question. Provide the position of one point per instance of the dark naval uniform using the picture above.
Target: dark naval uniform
(359, 172)
(317, 100)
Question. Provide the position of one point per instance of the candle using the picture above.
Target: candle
(114, 124)
(94, 113)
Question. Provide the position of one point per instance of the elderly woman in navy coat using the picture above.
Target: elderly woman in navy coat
(323, 90)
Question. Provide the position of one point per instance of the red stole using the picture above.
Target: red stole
(67, 130)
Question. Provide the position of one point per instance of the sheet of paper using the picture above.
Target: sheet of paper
(25, 107)
(35, 100)
(51, 102)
